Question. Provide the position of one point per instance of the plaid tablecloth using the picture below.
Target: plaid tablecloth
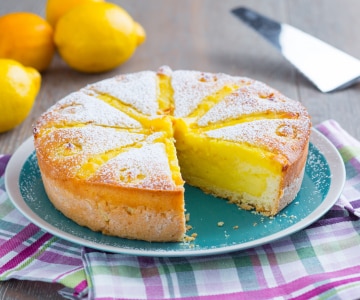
(319, 262)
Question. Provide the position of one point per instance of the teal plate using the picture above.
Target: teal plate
(323, 182)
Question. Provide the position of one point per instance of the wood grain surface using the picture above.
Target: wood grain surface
(204, 35)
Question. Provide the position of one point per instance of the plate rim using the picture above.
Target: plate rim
(327, 149)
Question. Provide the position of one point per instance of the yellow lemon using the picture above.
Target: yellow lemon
(55, 9)
(27, 38)
(97, 37)
(19, 87)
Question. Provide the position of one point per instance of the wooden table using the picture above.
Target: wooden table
(203, 35)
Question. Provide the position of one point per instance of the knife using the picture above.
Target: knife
(328, 68)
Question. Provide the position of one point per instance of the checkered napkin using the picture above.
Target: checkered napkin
(321, 261)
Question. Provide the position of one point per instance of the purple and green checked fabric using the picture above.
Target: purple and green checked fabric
(319, 262)
(29, 253)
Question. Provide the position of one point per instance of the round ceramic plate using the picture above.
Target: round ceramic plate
(323, 182)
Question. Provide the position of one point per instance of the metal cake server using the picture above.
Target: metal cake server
(327, 67)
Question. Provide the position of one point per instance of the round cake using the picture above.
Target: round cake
(114, 155)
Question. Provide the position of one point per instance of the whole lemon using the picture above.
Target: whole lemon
(27, 38)
(19, 86)
(97, 37)
(55, 9)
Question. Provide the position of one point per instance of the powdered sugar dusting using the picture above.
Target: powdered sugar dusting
(94, 139)
(283, 136)
(81, 108)
(137, 89)
(191, 87)
(145, 167)
(251, 99)
(154, 136)
(69, 148)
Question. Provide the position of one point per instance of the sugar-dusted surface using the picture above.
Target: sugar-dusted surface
(92, 139)
(256, 98)
(145, 167)
(191, 87)
(138, 90)
(69, 148)
(79, 107)
(284, 136)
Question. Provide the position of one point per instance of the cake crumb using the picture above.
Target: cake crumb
(236, 227)
(220, 224)
(187, 217)
(254, 224)
(188, 227)
(188, 238)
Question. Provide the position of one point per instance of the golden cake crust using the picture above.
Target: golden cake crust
(107, 153)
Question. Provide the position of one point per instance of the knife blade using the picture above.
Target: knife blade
(329, 68)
